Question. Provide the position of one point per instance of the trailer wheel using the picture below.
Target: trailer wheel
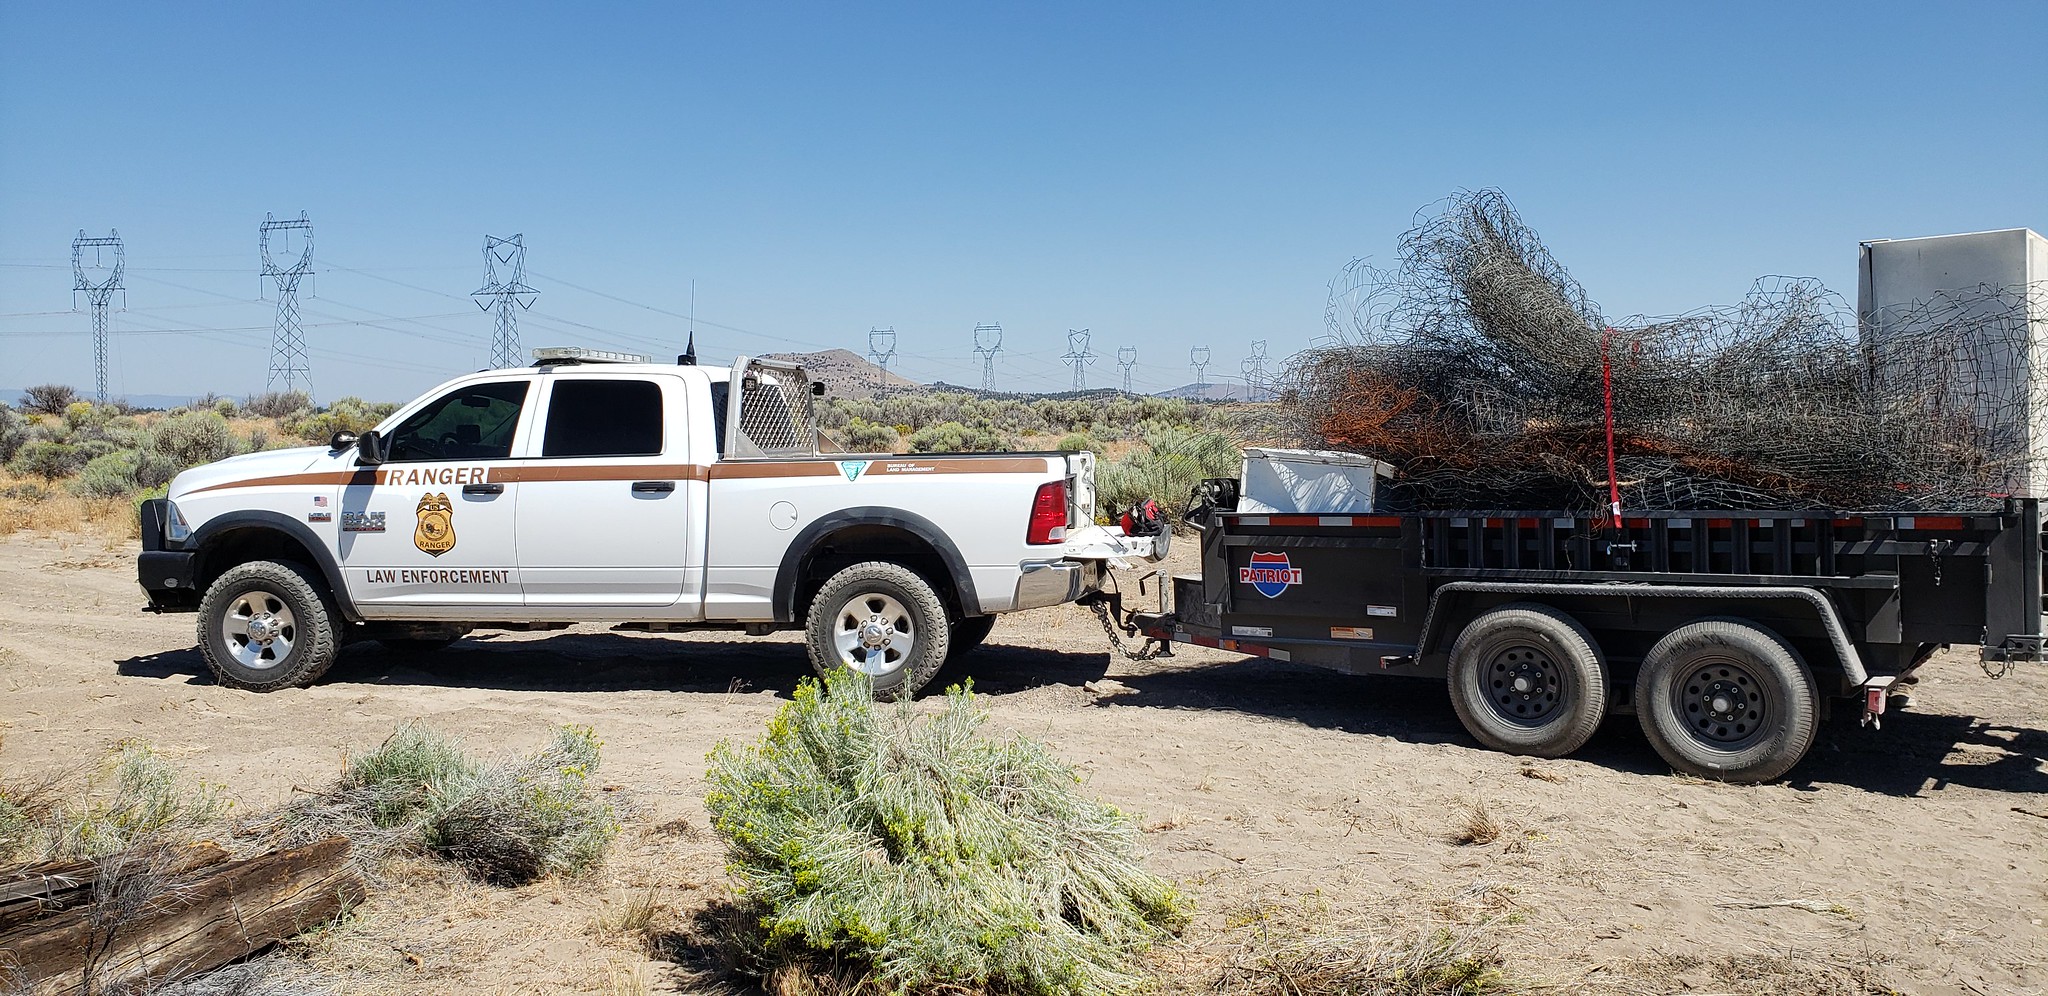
(1528, 679)
(881, 619)
(1727, 699)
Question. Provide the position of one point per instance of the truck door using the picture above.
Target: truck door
(434, 524)
(604, 514)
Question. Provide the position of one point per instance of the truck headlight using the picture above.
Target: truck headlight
(176, 529)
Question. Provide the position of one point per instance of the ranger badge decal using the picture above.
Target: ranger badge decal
(435, 534)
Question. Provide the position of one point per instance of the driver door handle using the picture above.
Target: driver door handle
(648, 487)
(483, 489)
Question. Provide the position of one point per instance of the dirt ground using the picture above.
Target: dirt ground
(1921, 848)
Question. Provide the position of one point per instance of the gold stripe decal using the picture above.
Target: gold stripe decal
(446, 475)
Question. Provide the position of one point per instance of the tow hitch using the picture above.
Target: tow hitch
(1108, 607)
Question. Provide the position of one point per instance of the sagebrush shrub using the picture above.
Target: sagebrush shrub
(505, 821)
(47, 460)
(13, 432)
(934, 858)
(190, 438)
(111, 475)
(1167, 468)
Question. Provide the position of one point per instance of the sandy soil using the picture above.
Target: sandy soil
(1922, 847)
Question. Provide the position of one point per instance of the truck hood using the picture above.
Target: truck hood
(269, 463)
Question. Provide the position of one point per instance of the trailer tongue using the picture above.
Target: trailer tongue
(1729, 634)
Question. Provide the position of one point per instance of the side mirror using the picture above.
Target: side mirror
(342, 440)
(370, 449)
(818, 388)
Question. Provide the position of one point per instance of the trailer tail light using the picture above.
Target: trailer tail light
(1048, 515)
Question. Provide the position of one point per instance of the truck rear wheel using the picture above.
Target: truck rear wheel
(267, 625)
(881, 619)
(1528, 679)
(1727, 699)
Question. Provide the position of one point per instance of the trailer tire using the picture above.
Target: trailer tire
(1727, 699)
(266, 625)
(1528, 679)
(883, 619)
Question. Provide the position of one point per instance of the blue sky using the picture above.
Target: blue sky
(1167, 175)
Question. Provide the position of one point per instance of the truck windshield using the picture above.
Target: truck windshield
(473, 422)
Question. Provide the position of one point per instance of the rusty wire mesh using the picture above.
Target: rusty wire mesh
(1476, 369)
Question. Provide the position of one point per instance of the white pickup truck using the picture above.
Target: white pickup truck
(600, 488)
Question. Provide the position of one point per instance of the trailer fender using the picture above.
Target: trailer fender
(1434, 620)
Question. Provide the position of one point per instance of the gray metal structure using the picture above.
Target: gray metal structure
(1127, 357)
(1198, 357)
(881, 349)
(288, 340)
(1991, 288)
(1254, 369)
(507, 294)
(1078, 357)
(988, 341)
(99, 293)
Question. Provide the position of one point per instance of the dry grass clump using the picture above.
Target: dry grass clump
(29, 504)
(133, 800)
(877, 850)
(506, 821)
(1478, 828)
(1296, 950)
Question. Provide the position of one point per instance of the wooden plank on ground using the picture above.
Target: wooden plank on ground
(210, 918)
(35, 891)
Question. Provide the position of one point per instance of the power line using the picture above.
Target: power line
(503, 294)
(1078, 357)
(98, 293)
(882, 349)
(988, 341)
(288, 342)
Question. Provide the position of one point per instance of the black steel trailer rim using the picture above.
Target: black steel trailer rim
(1723, 701)
(1523, 685)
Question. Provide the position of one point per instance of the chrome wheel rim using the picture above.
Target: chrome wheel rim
(259, 630)
(874, 633)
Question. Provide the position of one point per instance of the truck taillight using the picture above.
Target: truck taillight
(1048, 514)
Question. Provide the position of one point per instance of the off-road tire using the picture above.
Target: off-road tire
(1754, 668)
(1567, 677)
(926, 612)
(301, 591)
(968, 634)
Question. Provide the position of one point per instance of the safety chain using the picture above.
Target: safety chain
(1995, 668)
(1116, 639)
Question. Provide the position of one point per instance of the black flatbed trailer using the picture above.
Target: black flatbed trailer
(1729, 634)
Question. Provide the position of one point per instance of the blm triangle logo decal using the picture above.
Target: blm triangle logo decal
(852, 468)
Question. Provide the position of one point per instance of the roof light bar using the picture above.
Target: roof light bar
(578, 354)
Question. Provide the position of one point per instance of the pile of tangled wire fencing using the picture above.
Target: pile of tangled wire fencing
(1485, 374)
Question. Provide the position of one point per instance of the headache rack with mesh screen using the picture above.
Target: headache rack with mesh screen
(771, 411)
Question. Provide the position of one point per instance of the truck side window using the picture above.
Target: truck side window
(475, 422)
(588, 418)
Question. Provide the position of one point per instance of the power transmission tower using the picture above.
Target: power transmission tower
(288, 342)
(881, 349)
(988, 341)
(1254, 368)
(1127, 357)
(1078, 357)
(98, 293)
(1198, 357)
(503, 294)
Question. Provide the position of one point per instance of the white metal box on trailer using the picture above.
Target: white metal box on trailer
(1988, 290)
(1320, 481)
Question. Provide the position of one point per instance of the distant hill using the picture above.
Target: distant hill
(11, 396)
(1218, 392)
(846, 374)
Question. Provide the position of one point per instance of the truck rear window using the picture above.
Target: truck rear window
(589, 417)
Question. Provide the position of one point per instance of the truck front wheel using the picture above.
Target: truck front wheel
(1727, 699)
(883, 620)
(267, 625)
(1528, 679)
